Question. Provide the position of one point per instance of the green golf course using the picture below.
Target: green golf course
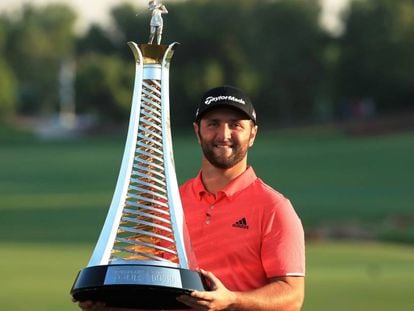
(354, 195)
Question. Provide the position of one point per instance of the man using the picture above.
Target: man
(246, 236)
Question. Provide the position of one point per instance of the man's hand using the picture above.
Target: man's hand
(220, 298)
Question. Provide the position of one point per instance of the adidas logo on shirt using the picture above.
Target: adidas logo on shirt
(242, 223)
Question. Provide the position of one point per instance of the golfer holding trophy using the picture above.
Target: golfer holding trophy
(245, 236)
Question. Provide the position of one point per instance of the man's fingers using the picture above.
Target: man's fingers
(211, 279)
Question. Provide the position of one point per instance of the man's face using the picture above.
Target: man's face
(225, 136)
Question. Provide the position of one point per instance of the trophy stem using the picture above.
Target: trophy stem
(151, 87)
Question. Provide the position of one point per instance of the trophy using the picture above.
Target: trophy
(143, 258)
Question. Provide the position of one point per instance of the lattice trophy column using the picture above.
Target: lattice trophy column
(143, 257)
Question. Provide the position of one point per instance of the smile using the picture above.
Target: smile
(223, 146)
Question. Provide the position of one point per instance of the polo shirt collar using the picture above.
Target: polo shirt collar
(239, 183)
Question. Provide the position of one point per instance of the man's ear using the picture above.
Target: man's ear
(253, 134)
(196, 127)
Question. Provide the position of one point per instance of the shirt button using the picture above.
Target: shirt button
(211, 206)
(208, 221)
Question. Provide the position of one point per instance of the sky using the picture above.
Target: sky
(330, 12)
(88, 10)
(98, 10)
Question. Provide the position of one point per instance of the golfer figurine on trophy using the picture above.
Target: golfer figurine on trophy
(143, 258)
(156, 24)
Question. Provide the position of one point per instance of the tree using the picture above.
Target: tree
(8, 91)
(104, 87)
(37, 43)
(96, 40)
(376, 53)
(271, 49)
(288, 58)
(7, 78)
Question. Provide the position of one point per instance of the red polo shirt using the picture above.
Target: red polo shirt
(245, 234)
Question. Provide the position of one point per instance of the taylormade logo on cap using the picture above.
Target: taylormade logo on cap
(212, 99)
(223, 96)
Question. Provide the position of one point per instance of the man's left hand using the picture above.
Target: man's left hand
(219, 298)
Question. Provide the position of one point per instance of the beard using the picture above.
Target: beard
(222, 160)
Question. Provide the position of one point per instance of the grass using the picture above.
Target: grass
(359, 276)
(39, 276)
(341, 276)
(54, 197)
(332, 180)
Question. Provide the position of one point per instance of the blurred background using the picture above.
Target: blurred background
(332, 82)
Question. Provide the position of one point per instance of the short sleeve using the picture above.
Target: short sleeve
(283, 246)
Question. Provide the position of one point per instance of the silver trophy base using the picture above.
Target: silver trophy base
(136, 286)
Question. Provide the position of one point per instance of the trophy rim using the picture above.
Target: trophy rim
(92, 283)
